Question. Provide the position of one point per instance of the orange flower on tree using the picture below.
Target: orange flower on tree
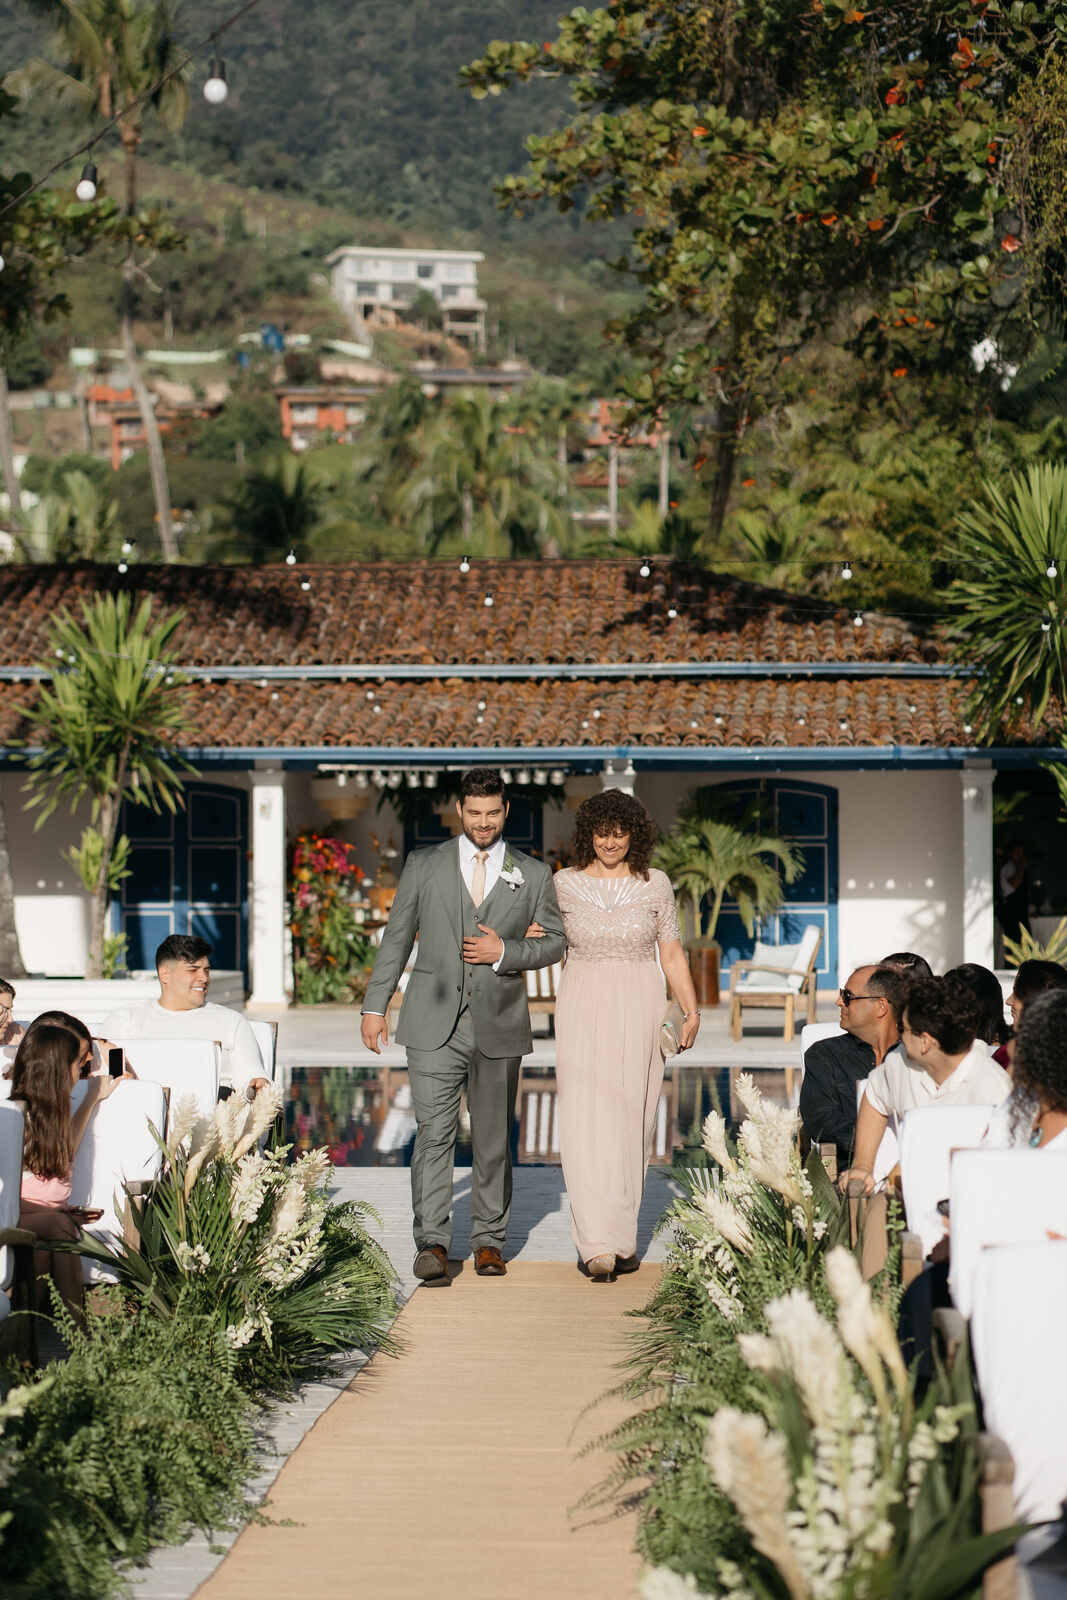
(700, 132)
(900, 372)
(1011, 242)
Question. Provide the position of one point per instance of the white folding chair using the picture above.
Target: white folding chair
(267, 1039)
(1001, 1197)
(888, 1153)
(928, 1136)
(11, 1131)
(1017, 1322)
(184, 1066)
(117, 1148)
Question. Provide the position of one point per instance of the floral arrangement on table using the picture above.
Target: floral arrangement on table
(234, 1234)
(332, 956)
(781, 1453)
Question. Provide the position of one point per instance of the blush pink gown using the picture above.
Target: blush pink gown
(609, 1064)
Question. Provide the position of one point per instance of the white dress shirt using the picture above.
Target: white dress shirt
(898, 1085)
(494, 866)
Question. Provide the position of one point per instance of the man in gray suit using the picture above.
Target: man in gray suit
(465, 1017)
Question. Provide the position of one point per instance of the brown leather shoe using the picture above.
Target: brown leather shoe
(431, 1264)
(626, 1263)
(488, 1262)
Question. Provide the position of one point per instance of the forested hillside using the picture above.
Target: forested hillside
(347, 101)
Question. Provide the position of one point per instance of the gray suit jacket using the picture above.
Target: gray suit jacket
(432, 904)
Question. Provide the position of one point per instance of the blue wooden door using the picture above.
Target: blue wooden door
(804, 814)
(189, 875)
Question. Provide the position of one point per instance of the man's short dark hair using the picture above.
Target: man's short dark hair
(5, 987)
(182, 947)
(907, 962)
(481, 782)
(892, 985)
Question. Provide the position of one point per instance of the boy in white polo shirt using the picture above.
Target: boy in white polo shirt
(183, 1011)
(941, 1062)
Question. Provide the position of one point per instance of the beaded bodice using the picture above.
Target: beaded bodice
(615, 919)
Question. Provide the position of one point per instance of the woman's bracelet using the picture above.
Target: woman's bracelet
(689, 1014)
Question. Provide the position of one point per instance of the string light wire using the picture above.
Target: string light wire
(131, 105)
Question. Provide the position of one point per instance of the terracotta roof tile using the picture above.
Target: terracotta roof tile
(542, 611)
(443, 713)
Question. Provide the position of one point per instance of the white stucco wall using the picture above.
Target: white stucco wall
(900, 858)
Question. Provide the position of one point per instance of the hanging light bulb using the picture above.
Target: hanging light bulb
(465, 564)
(127, 547)
(2, 263)
(1046, 627)
(846, 570)
(290, 559)
(123, 566)
(1052, 571)
(85, 188)
(216, 88)
(644, 569)
(488, 600)
(305, 584)
(672, 612)
(857, 620)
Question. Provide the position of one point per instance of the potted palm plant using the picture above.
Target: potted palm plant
(713, 856)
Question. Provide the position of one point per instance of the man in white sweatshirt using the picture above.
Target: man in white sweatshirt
(183, 1011)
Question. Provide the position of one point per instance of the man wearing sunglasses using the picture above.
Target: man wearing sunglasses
(833, 1067)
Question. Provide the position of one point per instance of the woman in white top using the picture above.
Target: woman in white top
(1035, 1113)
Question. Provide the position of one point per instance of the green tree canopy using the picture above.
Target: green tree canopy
(796, 170)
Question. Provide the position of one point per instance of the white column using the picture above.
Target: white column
(267, 936)
(976, 782)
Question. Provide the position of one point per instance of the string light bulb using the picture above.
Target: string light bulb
(85, 188)
(857, 620)
(488, 600)
(1046, 627)
(290, 559)
(465, 564)
(127, 548)
(216, 88)
(672, 612)
(644, 569)
(305, 584)
(123, 566)
(1052, 571)
(846, 570)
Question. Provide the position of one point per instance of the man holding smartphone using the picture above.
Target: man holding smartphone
(183, 1011)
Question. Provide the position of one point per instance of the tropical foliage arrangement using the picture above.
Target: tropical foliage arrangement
(242, 1278)
(253, 1247)
(331, 955)
(713, 856)
(782, 1451)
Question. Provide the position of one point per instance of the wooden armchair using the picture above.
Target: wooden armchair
(779, 976)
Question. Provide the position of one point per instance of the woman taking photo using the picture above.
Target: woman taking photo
(617, 912)
(47, 1067)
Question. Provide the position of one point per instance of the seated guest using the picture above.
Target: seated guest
(183, 1011)
(1031, 979)
(833, 1067)
(940, 1064)
(47, 1067)
(1035, 1113)
(10, 1031)
(908, 964)
(992, 1025)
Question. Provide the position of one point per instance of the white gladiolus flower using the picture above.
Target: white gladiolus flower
(750, 1465)
(713, 1138)
(723, 1301)
(249, 1188)
(192, 1257)
(237, 1335)
(312, 1171)
(660, 1583)
(288, 1212)
(727, 1219)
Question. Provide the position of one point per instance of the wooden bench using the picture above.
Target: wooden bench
(542, 984)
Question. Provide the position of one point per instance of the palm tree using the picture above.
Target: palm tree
(116, 50)
(106, 726)
(275, 507)
(79, 525)
(488, 481)
(702, 856)
(1012, 600)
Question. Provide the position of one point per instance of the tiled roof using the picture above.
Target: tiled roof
(552, 613)
(653, 712)
(428, 611)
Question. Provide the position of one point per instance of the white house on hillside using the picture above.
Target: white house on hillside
(372, 283)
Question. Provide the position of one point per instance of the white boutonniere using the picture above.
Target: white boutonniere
(510, 874)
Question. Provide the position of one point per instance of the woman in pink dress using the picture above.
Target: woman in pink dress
(47, 1067)
(617, 913)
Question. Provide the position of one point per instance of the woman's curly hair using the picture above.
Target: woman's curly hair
(947, 1009)
(1039, 1072)
(614, 812)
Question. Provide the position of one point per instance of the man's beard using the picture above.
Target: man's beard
(478, 844)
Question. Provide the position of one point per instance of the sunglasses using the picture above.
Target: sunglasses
(848, 996)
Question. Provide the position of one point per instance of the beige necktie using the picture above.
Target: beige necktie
(478, 876)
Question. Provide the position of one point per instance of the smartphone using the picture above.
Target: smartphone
(942, 1208)
(116, 1062)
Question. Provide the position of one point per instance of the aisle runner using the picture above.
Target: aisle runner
(450, 1471)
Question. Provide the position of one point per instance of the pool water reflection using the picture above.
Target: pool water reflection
(363, 1114)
